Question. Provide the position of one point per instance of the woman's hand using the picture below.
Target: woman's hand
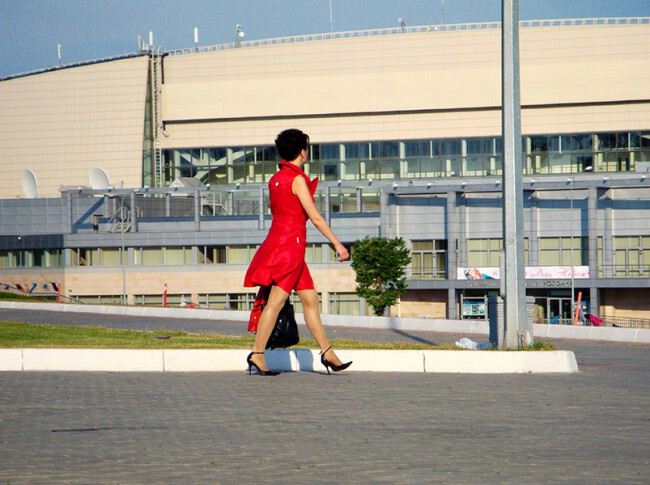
(342, 251)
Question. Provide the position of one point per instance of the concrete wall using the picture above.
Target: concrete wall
(423, 304)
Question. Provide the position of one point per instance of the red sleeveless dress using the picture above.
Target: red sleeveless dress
(280, 260)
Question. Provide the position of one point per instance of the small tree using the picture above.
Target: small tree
(380, 265)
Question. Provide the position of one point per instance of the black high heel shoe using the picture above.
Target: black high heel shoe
(328, 364)
(252, 364)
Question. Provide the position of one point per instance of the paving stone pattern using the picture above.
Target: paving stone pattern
(591, 427)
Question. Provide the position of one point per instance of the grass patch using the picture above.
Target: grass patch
(27, 335)
(8, 296)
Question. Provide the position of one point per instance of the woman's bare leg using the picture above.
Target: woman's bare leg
(269, 315)
(309, 299)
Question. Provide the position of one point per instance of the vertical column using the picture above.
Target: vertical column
(197, 210)
(384, 213)
(328, 215)
(592, 221)
(168, 205)
(533, 239)
(608, 238)
(134, 213)
(260, 219)
(71, 228)
(452, 230)
(513, 220)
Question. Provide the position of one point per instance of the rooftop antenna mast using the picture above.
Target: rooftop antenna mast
(196, 37)
(58, 52)
(331, 18)
(442, 11)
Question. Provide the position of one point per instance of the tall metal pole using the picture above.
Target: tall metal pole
(124, 297)
(573, 290)
(513, 200)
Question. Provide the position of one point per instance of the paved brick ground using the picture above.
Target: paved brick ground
(591, 427)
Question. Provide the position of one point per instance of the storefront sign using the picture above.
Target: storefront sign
(531, 273)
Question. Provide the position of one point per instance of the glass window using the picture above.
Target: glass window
(240, 254)
(350, 170)
(369, 200)
(484, 252)
(110, 256)
(428, 259)
(217, 301)
(357, 151)
(576, 142)
(417, 148)
(6, 259)
(538, 143)
(480, 146)
(150, 256)
(329, 151)
(343, 200)
(559, 251)
(149, 300)
(345, 304)
(178, 255)
(385, 149)
(390, 169)
(446, 147)
(644, 140)
(212, 254)
(240, 301)
(314, 253)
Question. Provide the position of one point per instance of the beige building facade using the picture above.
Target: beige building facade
(405, 138)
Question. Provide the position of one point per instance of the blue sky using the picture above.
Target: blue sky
(91, 29)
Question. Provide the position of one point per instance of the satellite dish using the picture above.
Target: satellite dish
(30, 184)
(98, 179)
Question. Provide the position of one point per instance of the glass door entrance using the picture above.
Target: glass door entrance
(558, 311)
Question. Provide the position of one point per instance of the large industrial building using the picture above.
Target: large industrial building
(129, 177)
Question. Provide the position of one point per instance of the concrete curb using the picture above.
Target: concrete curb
(479, 327)
(204, 360)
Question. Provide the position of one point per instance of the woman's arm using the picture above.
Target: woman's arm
(299, 187)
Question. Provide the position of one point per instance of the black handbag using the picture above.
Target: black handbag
(285, 332)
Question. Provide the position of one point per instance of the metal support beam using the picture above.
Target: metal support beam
(516, 324)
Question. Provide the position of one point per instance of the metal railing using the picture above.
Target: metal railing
(44, 296)
(293, 39)
(626, 322)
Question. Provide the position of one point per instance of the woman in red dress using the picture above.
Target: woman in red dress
(280, 260)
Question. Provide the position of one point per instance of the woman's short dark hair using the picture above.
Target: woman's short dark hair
(290, 142)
